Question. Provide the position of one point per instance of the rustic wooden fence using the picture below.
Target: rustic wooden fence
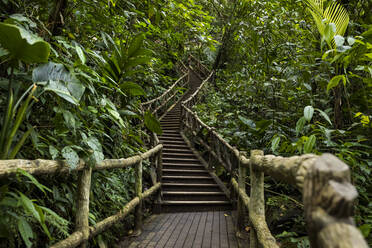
(328, 195)
(160, 104)
(83, 232)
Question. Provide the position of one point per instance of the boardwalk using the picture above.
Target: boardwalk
(212, 229)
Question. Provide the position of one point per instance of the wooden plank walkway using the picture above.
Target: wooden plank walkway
(212, 229)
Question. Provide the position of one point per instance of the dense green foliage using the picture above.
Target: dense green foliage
(72, 77)
(73, 74)
(284, 88)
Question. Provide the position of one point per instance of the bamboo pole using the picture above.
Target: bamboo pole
(138, 188)
(82, 213)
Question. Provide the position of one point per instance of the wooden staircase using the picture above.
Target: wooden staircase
(186, 184)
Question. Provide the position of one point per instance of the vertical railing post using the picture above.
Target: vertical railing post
(82, 212)
(210, 156)
(242, 172)
(257, 203)
(159, 174)
(138, 189)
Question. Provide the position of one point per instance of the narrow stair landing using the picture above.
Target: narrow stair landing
(187, 230)
(186, 184)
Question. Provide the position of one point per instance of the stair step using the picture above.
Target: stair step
(183, 151)
(178, 154)
(166, 131)
(170, 121)
(195, 202)
(172, 138)
(175, 146)
(195, 187)
(175, 134)
(184, 172)
(183, 166)
(185, 160)
(173, 142)
(187, 177)
(192, 193)
(170, 126)
(193, 196)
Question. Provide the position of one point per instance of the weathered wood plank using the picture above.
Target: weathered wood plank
(192, 232)
(185, 230)
(170, 230)
(189, 230)
(216, 230)
(207, 238)
(162, 229)
(224, 239)
(198, 241)
(231, 232)
(177, 231)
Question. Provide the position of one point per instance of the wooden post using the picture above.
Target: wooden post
(210, 156)
(82, 212)
(328, 201)
(257, 203)
(241, 209)
(159, 174)
(138, 211)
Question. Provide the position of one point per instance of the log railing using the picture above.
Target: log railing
(197, 66)
(83, 232)
(160, 104)
(324, 181)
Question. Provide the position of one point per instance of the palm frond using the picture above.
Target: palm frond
(333, 13)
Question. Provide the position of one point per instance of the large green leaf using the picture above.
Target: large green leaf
(309, 144)
(29, 206)
(152, 123)
(335, 81)
(23, 45)
(132, 89)
(25, 230)
(71, 157)
(60, 80)
(96, 156)
(34, 181)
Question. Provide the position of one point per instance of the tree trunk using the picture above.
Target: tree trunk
(56, 18)
(338, 107)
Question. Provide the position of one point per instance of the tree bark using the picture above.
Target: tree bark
(56, 18)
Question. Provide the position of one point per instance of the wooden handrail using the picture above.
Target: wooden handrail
(165, 92)
(324, 181)
(83, 232)
(42, 166)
